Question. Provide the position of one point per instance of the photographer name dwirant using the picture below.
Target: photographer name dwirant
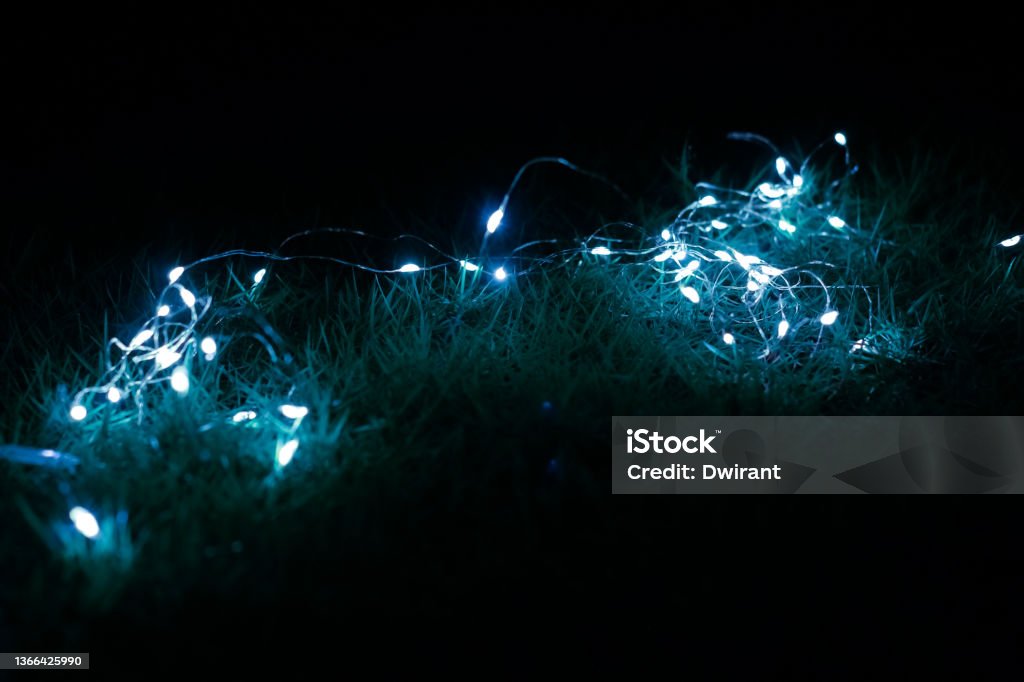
(707, 472)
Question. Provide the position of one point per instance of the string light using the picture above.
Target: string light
(728, 338)
(114, 395)
(78, 412)
(830, 317)
(84, 521)
(601, 251)
(494, 222)
(470, 267)
(666, 235)
(286, 452)
(260, 274)
(718, 224)
(500, 274)
(163, 311)
(780, 166)
(1012, 241)
(165, 357)
(243, 416)
(783, 329)
(179, 380)
(209, 347)
(175, 274)
(690, 293)
(836, 222)
(840, 139)
(409, 267)
(294, 411)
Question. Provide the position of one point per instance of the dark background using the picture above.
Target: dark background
(191, 129)
(222, 126)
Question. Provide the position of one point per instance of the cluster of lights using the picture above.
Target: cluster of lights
(718, 253)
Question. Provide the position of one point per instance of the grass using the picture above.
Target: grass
(458, 429)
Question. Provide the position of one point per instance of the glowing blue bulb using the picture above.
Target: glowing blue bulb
(690, 293)
(409, 267)
(830, 317)
(783, 329)
(666, 235)
(500, 274)
(1012, 241)
(286, 452)
(78, 412)
(494, 222)
(798, 181)
(836, 222)
(840, 139)
(163, 311)
(470, 267)
(208, 346)
(165, 357)
(141, 338)
(663, 256)
(719, 225)
(601, 251)
(243, 416)
(770, 271)
(188, 297)
(770, 190)
(294, 411)
(174, 274)
(728, 338)
(780, 165)
(787, 226)
(775, 204)
(260, 274)
(179, 380)
(114, 395)
(85, 522)
(707, 200)
(753, 286)
(723, 255)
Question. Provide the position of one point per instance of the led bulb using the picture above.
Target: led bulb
(601, 251)
(786, 226)
(775, 204)
(780, 165)
(188, 297)
(723, 255)
(500, 274)
(783, 329)
(163, 311)
(140, 338)
(836, 222)
(495, 220)
(208, 345)
(770, 191)
(174, 274)
(707, 200)
(690, 293)
(798, 181)
(85, 522)
(409, 267)
(179, 379)
(840, 139)
(829, 317)
(666, 235)
(470, 267)
(114, 395)
(663, 256)
(165, 357)
(286, 452)
(753, 286)
(728, 338)
(260, 274)
(294, 411)
(719, 225)
(243, 416)
(1012, 241)
(78, 412)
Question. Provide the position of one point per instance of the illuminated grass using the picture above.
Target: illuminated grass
(446, 395)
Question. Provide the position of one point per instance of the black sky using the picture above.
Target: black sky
(188, 122)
